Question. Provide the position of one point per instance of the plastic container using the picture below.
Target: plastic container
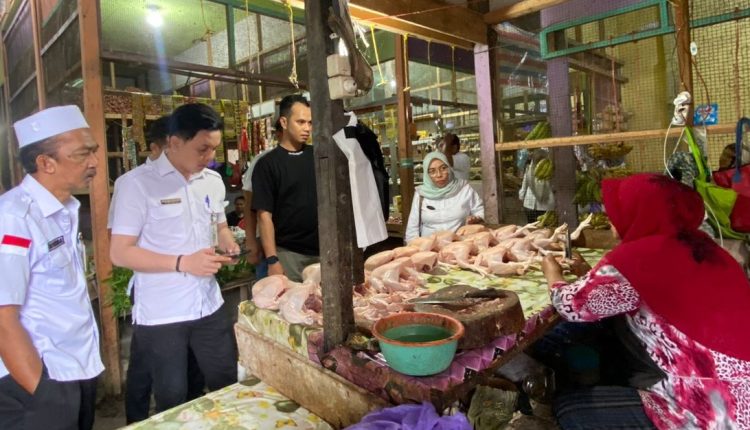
(417, 343)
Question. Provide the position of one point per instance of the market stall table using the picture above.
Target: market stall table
(250, 404)
(369, 371)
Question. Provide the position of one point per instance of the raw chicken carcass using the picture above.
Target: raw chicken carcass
(378, 260)
(424, 243)
(496, 254)
(505, 232)
(404, 251)
(424, 261)
(470, 229)
(482, 240)
(457, 252)
(311, 274)
(509, 268)
(444, 237)
(267, 291)
(397, 275)
(292, 305)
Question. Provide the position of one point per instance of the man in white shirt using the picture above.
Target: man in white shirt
(49, 342)
(168, 223)
(451, 147)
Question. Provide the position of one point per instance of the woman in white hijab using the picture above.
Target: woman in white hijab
(442, 202)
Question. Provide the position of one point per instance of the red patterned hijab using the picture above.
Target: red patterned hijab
(678, 270)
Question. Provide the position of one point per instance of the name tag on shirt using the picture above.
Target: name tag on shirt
(55, 243)
(171, 201)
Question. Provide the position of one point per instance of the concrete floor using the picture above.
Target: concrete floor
(110, 413)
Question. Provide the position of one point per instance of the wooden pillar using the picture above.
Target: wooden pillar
(338, 257)
(684, 58)
(491, 181)
(405, 157)
(93, 105)
(36, 34)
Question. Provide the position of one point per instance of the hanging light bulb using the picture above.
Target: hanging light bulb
(154, 17)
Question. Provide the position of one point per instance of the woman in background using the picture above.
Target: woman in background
(442, 202)
(536, 194)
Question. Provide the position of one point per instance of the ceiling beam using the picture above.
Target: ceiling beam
(427, 19)
(519, 9)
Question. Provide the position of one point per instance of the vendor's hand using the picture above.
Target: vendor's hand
(253, 249)
(579, 266)
(552, 270)
(204, 262)
(471, 219)
(275, 269)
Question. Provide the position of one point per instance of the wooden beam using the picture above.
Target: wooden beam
(455, 20)
(338, 257)
(16, 171)
(93, 107)
(684, 58)
(439, 25)
(404, 121)
(516, 10)
(627, 136)
(35, 23)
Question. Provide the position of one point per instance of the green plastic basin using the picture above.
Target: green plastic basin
(418, 343)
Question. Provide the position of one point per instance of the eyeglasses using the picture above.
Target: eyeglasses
(440, 170)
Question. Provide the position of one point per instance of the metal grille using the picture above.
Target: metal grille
(625, 88)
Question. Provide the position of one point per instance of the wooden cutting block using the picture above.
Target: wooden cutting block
(484, 321)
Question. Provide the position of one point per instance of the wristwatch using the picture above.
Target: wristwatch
(272, 259)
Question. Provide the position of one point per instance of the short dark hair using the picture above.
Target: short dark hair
(236, 199)
(159, 131)
(285, 106)
(28, 154)
(187, 120)
(452, 139)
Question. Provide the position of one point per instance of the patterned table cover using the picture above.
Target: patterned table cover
(248, 405)
(371, 371)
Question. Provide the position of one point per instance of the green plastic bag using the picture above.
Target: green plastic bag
(719, 201)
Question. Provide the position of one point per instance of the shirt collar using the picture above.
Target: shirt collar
(165, 167)
(48, 203)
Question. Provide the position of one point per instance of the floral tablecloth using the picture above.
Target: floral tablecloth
(247, 405)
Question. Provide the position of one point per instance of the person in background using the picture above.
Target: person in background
(250, 221)
(49, 341)
(442, 202)
(536, 194)
(157, 137)
(451, 147)
(683, 297)
(167, 226)
(234, 217)
(285, 194)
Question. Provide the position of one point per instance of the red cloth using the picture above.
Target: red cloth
(679, 271)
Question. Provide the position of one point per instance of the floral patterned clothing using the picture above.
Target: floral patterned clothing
(703, 389)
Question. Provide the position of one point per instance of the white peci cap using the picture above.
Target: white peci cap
(47, 123)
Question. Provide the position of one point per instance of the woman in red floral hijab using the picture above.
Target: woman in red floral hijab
(684, 298)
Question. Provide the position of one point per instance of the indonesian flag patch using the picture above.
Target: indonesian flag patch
(15, 245)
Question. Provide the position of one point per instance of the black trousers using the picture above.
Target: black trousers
(138, 387)
(165, 349)
(55, 405)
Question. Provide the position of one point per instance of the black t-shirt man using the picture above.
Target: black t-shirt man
(284, 184)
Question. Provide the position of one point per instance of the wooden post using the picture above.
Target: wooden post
(684, 58)
(338, 257)
(491, 181)
(35, 23)
(93, 101)
(406, 162)
(564, 178)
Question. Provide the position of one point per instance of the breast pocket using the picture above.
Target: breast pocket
(60, 270)
(165, 223)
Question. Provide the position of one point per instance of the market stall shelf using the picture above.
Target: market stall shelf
(250, 404)
(292, 345)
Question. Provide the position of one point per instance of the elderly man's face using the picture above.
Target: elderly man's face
(74, 163)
